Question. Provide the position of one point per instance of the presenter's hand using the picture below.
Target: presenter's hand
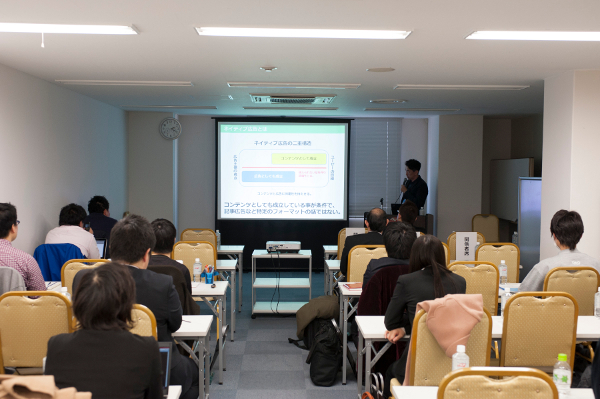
(394, 335)
(403, 188)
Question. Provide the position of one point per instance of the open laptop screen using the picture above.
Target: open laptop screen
(101, 243)
(165, 349)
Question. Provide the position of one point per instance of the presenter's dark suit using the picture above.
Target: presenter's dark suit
(416, 191)
(157, 292)
(371, 238)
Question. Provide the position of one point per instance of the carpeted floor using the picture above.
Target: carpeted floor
(261, 363)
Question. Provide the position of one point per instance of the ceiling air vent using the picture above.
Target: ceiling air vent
(291, 99)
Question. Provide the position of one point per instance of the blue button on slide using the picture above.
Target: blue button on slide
(269, 176)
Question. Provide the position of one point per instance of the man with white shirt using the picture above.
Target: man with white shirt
(71, 231)
(566, 229)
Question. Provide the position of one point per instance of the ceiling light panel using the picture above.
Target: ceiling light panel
(414, 109)
(164, 83)
(172, 106)
(289, 85)
(74, 29)
(304, 33)
(535, 35)
(275, 108)
(459, 87)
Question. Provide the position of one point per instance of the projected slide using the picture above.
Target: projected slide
(282, 170)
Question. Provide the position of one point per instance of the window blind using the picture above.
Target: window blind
(375, 169)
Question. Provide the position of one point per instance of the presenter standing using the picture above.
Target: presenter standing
(414, 187)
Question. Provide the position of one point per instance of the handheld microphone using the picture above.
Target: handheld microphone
(404, 184)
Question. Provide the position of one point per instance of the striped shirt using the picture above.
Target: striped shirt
(23, 263)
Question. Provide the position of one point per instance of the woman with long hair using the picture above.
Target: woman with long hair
(102, 356)
(428, 279)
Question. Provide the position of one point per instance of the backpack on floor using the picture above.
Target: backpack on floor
(322, 337)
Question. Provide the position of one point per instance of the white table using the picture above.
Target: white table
(372, 329)
(285, 306)
(235, 252)
(227, 270)
(197, 328)
(174, 392)
(219, 293)
(401, 392)
(53, 286)
(329, 252)
(345, 304)
(332, 266)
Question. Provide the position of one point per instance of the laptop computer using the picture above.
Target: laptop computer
(165, 349)
(101, 243)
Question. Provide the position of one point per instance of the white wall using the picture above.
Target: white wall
(556, 165)
(414, 145)
(496, 145)
(570, 157)
(149, 166)
(197, 172)
(57, 147)
(527, 135)
(460, 170)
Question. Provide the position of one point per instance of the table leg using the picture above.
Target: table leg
(240, 258)
(345, 340)
(233, 288)
(359, 359)
(252, 277)
(201, 366)
(207, 366)
(325, 275)
(330, 273)
(224, 315)
(368, 365)
(310, 277)
(220, 343)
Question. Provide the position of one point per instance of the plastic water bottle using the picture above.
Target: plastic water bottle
(422, 211)
(65, 292)
(503, 272)
(562, 375)
(515, 238)
(505, 297)
(197, 270)
(218, 238)
(460, 359)
(597, 304)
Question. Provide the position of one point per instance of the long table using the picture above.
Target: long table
(235, 252)
(197, 328)
(401, 392)
(372, 329)
(227, 270)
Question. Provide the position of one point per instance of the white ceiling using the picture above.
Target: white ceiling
(168, 48)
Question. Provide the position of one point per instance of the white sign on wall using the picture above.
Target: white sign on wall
(466, 244)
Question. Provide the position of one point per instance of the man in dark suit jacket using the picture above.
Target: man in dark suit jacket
(376, 222)
(416, 189)
(100, 220)
(132, 239)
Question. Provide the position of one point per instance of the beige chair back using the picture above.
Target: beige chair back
(452, 244)
(581, 282)
(474, 383)
(446, 253)
(27, 324)
(144, 322)
(341, 242)
(494, 252)
(429, 363)
(359, 257)
(70, 269)
(188, 251)
(488, 225)
(199, 235)
(536, 330)
(482, 278)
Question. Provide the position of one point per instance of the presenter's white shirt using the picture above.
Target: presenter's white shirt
(75, 235)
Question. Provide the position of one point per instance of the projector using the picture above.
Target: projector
(283, 246)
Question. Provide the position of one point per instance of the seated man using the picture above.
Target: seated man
(71, 231)
(376, 222)
(408, 212)
(566, 229)
(13, 257)
(166, 235)
(99, 219)
(131, 242)
(398, 239)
